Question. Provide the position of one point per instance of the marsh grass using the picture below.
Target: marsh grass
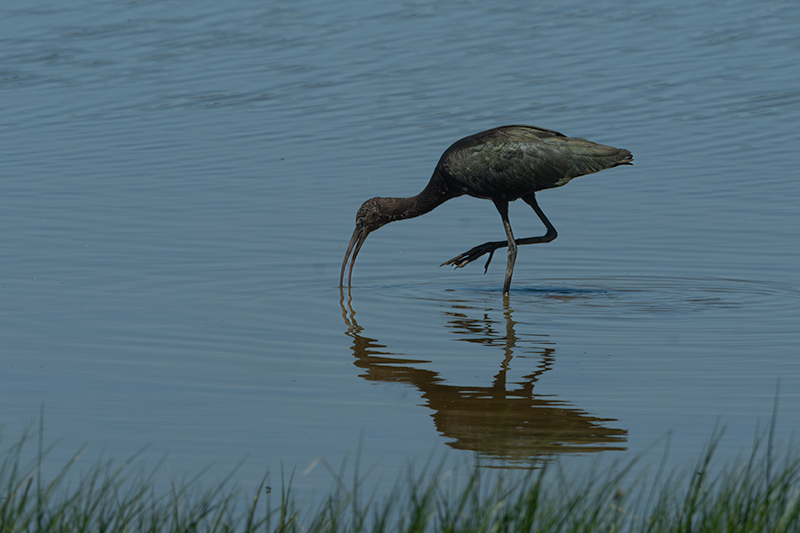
(758, 492)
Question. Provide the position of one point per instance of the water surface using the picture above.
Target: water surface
(179, 185)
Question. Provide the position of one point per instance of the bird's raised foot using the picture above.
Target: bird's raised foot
(469, 256)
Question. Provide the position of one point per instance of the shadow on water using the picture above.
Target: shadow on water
(505, 420)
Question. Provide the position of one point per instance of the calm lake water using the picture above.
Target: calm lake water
(179, 184)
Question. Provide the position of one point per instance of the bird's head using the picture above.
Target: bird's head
(373, 214)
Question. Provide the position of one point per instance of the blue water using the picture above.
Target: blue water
(179, 184)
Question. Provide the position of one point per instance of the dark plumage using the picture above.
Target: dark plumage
(501, 164)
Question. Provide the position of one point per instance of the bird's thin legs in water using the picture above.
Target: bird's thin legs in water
(489, 247)
(502, 207)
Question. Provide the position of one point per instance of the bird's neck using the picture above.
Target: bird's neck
(433, 195)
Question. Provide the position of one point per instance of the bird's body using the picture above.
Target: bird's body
(501, 164)
(512, 161)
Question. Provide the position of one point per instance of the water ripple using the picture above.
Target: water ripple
(640, 294)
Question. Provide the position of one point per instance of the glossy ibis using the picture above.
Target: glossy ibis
(500, 164)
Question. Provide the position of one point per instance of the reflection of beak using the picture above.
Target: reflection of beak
(358, 238)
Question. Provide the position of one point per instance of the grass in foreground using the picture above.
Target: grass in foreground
(759, 493)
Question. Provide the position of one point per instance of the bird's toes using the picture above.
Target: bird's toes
(457, 262)
(469, 256)
(462, 260)
(489, 260)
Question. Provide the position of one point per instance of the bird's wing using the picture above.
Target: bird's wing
(503, 170)
(512, 169)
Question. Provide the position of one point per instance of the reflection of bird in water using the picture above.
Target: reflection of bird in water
(503, 419)
(502, 165)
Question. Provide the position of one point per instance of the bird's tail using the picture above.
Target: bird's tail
(589, 157)
(626, 158)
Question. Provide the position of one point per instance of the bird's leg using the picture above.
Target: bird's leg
(551, 234)
(489, 247)
(502, 207)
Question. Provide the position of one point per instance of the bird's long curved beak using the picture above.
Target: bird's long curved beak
(358, 238)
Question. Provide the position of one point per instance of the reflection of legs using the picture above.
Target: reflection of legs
(489, 247)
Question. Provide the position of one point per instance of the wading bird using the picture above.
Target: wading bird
(501, 164)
